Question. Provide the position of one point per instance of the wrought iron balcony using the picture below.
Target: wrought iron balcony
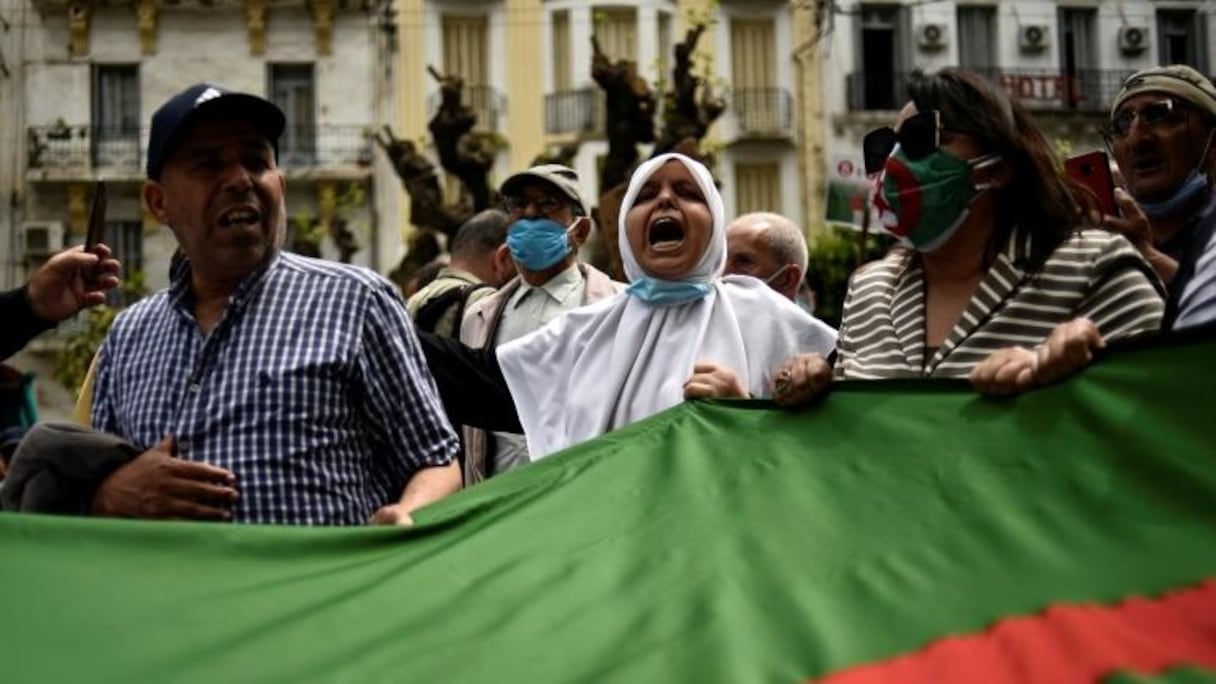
(575, 111)
(764, 111)
(306, 147)
(486, 102)
(83, 148)
(1086, 90)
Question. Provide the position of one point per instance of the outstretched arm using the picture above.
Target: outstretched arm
(70, 281)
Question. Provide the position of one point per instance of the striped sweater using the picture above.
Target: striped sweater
(1094, 274)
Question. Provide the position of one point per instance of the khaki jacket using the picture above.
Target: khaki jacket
(479, 329)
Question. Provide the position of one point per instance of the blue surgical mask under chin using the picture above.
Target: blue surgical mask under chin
(666, 292)
(1191, 188)
(538, 243)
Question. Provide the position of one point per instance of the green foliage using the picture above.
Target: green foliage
(834, 255)
(1062, 147)
(81, 345)
(307, 233)
(708, 14)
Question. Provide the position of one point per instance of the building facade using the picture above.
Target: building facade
(526, 65)
(84, 78)
(1064, 61)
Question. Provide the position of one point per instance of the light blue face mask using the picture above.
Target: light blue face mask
(666, 292)
(538, 243)
(1192, 187)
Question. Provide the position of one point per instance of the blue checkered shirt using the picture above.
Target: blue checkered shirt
(311, 389)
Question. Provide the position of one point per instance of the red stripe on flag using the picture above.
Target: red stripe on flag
(910, 204)
(1065, 643)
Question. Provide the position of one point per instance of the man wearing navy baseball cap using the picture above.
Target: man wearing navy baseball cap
(203, 101)
(261, 386)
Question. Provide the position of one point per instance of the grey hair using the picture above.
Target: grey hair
(783, 237)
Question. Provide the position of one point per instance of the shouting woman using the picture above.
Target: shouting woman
(681, 329)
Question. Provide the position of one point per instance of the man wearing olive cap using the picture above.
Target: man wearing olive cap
(548, 223)
(1161, 135)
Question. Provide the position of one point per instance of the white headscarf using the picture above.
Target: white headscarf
(713, 261)
(619, 360)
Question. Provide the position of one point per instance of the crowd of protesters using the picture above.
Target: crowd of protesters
(266, 387)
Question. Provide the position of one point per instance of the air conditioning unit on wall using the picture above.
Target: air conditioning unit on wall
(1133, 39)
(1033, 37)
(931, 36)
(40, 239)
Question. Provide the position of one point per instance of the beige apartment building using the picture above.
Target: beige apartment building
(81, 79)
(526, 65)
(1063, 59)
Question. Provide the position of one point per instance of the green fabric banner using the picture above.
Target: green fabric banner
(728, 542)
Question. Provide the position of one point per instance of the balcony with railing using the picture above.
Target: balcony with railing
(485, 101)
(574, 111)
(764, 112)
(1083, 91)
(62, 150)
(311, 147)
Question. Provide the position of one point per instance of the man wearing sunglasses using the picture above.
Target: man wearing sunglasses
(1161, 135)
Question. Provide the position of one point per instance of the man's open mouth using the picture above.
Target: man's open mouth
(665, 234)
(242, 216)
(1147, 164)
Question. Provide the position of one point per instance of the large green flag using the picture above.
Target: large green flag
(897, 527)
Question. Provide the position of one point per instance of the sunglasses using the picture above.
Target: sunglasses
(1151, 114)
(918, 136)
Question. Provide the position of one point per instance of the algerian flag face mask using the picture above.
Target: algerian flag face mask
(922, 202)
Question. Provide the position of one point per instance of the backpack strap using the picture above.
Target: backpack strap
(435, 308)
(428, 315)
(465, 291)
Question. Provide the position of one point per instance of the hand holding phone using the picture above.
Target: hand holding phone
(97, 217)
(1092, 170)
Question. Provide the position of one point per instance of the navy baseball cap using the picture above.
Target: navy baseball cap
(201, 102)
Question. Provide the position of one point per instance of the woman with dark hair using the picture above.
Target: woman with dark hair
(993, 281)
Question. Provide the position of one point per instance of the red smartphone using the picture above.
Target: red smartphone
(1092, 170)
(97, 217)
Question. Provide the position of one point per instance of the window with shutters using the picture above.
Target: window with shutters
(1180, 34)
(568, 110)
(1079, 57)
(126, 241)
(116, 115)
(883, 55)
(293, 89)
(561, 51)
(757, 187)
(759, 104)
(466, 47)
(665, 47)
(616, 28)
(977, 38)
